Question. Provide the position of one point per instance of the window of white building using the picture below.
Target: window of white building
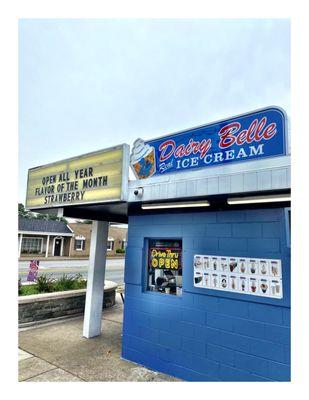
(31, 245)
(80, 243)
(110, 243)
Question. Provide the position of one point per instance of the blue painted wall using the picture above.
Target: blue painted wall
(207, 335)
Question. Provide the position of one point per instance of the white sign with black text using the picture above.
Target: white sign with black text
(254, 276)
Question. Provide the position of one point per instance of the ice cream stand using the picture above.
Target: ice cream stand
(207, 269)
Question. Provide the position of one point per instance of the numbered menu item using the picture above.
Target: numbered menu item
(275, 288)
(224, 281)
(224, 261)
(215, 280)
(207, 279)
(198, 261)
(275, 268)
(253, 266)
(243, 284)
(253, 276)
(215, 263)
(264, 286)
(242, 265)
(233, 263)
(253, 285)
(264, 267)
(206, 263)
(198, 278)
(233, 283)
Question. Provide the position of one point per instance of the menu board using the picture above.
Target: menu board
(253, 276)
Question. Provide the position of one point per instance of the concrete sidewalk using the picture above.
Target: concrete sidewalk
(57, 352)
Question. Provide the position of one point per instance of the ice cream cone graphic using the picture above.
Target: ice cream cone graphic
(143, 159)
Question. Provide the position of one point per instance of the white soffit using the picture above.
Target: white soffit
(244, 177)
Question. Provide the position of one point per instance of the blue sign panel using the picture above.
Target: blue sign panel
(250, 136)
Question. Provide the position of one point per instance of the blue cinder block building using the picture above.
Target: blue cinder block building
(207, 275)
(209, 335)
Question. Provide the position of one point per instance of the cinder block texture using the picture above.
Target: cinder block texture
(207, 335)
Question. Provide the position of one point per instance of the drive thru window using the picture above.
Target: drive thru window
(164, 269)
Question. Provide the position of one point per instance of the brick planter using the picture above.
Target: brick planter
(45, 306)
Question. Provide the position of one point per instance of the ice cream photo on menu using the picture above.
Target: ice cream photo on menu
(143, 160)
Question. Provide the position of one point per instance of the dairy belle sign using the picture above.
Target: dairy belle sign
(97, 177)
(250, 136)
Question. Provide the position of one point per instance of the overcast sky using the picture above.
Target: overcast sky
(90, 84)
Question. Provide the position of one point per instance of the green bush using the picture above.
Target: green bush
(45, 283)
(27, 290)
(69, 282)
(120, 251)
(65, 282)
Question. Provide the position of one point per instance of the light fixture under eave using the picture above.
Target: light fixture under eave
(154, 206)
(259, 199)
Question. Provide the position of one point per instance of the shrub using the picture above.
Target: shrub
(65, 282)
(27, 290)
(69, 282)
(45, 283)
(120, 251)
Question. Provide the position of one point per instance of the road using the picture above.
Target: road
(114, 269)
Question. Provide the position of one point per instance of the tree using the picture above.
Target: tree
(22, 212)
(55, 218)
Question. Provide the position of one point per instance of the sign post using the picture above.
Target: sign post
(95, 280)
(96, 178)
